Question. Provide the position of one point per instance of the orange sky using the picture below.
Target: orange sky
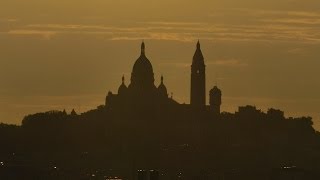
(68, 54)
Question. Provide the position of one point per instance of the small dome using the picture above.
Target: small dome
(123, 88)
(162, 88)
(215, 90)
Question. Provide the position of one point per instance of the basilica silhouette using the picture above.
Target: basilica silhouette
(142, 92)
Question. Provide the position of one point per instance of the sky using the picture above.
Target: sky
(57, 55)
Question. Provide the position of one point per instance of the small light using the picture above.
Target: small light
(93, 175)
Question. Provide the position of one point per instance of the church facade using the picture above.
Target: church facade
(143, 93)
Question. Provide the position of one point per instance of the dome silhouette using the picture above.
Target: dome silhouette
(162, 88)
(142, 66)
(142, 72)
(123, 88)
(215, 90)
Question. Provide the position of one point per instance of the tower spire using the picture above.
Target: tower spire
(161, 79)
(143, 47)
(198, 79)
(123, 79)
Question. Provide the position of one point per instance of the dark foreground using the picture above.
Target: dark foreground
(55, 173)
(176, 144)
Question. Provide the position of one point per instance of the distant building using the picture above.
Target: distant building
(73, 113)
(275, 114)
(215, 100)
(248, 111)
(142, 92)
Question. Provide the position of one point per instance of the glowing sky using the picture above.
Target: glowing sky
(69, 54)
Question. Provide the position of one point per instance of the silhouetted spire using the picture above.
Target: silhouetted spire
(143, 47)
(198, 79)
(162, 88)
(73, 113)
(198, 56)
(123, 88)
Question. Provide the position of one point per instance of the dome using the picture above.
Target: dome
(142, 72)
(123, 88)
(215, 90)
(142, 66)
(162, 88)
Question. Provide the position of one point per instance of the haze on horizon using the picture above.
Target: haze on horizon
(57, 55)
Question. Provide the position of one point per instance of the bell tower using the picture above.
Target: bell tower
(198, 79)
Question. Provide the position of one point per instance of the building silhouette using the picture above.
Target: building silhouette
(198, 79)
(215, 100)
(142, 93)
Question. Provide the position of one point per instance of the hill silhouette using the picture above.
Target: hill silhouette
(252, 142)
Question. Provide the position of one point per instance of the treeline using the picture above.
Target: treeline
(166, 137)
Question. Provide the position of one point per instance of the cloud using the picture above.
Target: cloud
(271, 25)
(184, 34)
(23, 32)
(178, 65)
(265, 13)
(296, 14)
(8, 20)
(303, 21)
(228, 62)
(221, 62)
(255, 26)
(296, 51)
(172, 23)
